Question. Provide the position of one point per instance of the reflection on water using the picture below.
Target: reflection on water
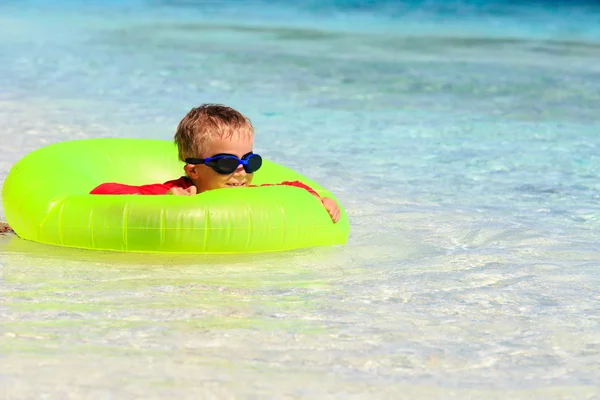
(442, 300)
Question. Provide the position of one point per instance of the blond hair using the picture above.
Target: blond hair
(203, 124)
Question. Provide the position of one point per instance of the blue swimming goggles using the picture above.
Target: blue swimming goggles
(226, 164)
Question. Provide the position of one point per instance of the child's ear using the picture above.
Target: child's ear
(191, 170)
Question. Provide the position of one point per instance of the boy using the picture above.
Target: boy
(215, 142)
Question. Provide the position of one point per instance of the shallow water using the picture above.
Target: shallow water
(462, 140)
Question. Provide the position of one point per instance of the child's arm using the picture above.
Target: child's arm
(118, 188)
(300, 185)
(330, 205)
(295, 184)
(181, 184)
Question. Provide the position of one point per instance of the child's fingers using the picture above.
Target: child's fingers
(336, 215)
(193, 190)
(332, 208)
(177, 191)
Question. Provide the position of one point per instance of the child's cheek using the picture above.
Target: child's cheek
(220, 180)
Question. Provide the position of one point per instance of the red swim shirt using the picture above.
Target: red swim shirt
(162, 188)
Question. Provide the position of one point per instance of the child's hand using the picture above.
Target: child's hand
(183, 192)
(332, 208)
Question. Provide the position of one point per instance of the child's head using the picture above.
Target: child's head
(211, 130)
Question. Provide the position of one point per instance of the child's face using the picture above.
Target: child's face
(205, 178)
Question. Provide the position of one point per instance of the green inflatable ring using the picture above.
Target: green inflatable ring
(46, 199)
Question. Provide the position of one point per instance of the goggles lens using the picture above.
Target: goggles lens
(227, 163)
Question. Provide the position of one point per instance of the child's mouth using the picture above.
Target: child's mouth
(231, 184)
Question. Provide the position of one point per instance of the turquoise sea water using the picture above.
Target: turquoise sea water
(462, 137)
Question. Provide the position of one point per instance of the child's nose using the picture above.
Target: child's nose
(240, 170)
